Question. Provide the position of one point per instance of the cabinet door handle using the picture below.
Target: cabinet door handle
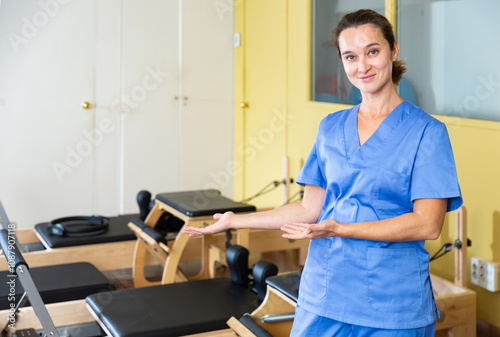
(87, 105)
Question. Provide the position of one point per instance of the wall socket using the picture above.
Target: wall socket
(485, 273)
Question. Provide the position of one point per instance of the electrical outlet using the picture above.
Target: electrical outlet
(484, 273)
(474, 270)
(492, 270)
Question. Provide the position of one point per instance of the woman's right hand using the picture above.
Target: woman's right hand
(223, 224)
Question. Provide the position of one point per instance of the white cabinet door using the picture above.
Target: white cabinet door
(159, 76)
(46, 141)
(179, 136)
(207, 85)
(150, 141)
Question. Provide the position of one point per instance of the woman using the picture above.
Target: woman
(378, 182)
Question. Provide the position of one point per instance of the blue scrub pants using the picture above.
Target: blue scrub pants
(307, 324)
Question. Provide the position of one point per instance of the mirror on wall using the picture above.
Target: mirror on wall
(329, 83)
(451, 48)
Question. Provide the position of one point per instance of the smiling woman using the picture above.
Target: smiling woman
(378, 182)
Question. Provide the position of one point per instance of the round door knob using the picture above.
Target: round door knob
(243, 105)
(87, 105)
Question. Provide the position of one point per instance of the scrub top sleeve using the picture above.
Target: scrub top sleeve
(311, 173)
(434, 172)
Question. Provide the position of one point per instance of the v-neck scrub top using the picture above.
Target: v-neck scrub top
(377, 284)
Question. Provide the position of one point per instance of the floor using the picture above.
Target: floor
(486, 330)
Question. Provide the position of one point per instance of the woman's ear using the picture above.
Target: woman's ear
(395, 51)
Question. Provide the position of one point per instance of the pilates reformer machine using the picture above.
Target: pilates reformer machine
(121, 313)
(118, 243)
(71, 311)
(189, 308)
(19, 278)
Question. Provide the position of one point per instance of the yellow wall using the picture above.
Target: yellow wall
(279, 61)
(260, 131)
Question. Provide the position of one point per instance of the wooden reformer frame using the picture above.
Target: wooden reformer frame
(210, 249)
(96, 254)
(456, 303)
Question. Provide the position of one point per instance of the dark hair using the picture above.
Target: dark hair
(368, 16)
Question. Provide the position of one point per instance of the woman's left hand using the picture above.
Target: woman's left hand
(299, 231)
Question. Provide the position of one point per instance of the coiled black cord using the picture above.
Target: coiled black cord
(295, 197)
(266, 189)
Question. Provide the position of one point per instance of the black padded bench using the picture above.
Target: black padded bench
(191, 208)
(174, 309)
(117, 231)
(202, 203)
(58, 283)
(182, 308)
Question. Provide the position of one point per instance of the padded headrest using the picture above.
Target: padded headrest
(261, 271)
(237, 260)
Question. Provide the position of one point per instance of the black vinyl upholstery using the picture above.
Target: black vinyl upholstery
(64, 282)
(173, 309)
(254, 327)
(117, 231)
(287, 283)
(202, 202)
(261, 271)
(149, 231)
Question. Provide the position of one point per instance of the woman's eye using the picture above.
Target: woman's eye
(349, 57)
(373, 52)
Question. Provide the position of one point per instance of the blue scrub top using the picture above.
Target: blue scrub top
(377, 284)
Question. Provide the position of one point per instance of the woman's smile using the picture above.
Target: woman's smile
(366, 78)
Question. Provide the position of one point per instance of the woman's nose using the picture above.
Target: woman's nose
(363, 65)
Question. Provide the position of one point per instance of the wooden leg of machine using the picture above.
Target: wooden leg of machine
(239, 328)
(461, 254)
(206, 264)
(274, 303)
(216, 254)
(146, 247)
(456, 303)
(138, 266)
(62, 314)
(170, 269)
(154, 215)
